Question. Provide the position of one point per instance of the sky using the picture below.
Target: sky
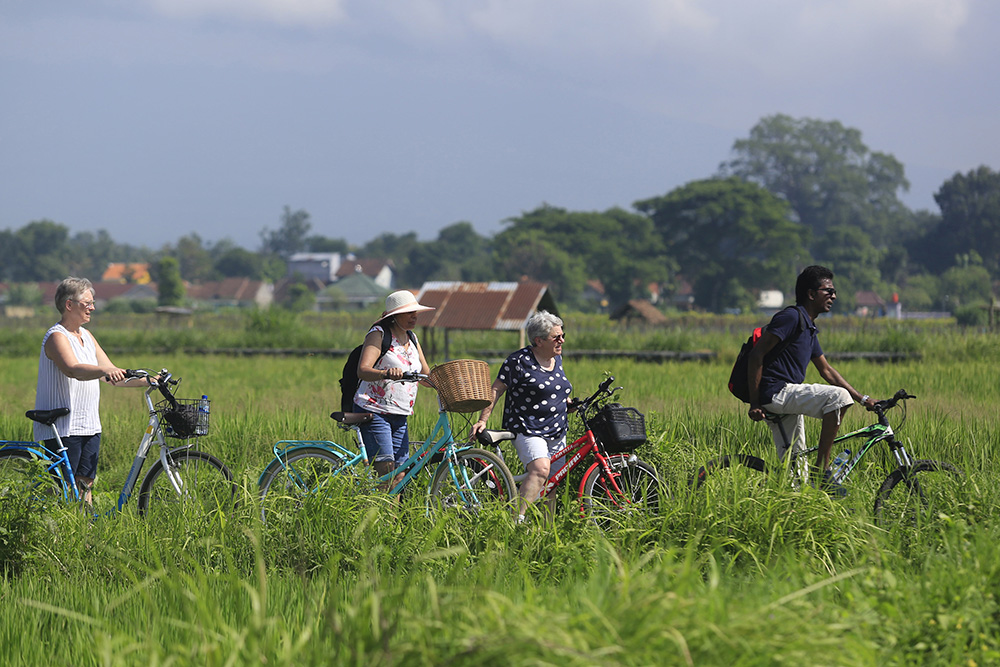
(155, 119)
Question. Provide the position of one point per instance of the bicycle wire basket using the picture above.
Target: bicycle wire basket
(187, 420)
(619, 429)
(463, 385)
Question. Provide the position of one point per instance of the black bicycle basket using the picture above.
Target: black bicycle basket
(187, 420)
(619, 429)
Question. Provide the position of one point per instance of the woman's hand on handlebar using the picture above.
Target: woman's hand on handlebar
(477, 428)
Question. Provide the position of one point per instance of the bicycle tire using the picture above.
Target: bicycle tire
(637, 480)
(910, 496)
(724, 462)
(22, 472)
(208, 487)
(299, 475)
(481, 479)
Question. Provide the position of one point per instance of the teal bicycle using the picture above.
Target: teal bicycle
(914, 489)
(464, 477)
(181, 481)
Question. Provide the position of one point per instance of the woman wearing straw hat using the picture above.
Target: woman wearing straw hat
(385, 436)
(536, 407)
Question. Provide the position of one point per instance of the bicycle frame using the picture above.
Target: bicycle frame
(441, 437)
(585, 444)
(875, 433)
(57, 462)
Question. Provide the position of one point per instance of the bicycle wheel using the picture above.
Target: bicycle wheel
(911, 496)
(26, 475)
(303, 474)
(715, 466)
(475, 479)
(206, 487)
(639, 486)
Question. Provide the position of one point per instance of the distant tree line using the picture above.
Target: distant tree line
(795, 192)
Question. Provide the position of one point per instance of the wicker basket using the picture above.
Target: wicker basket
(463, 385)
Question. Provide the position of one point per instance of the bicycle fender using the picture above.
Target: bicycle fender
(586, 475)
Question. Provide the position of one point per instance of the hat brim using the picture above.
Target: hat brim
(408, 308)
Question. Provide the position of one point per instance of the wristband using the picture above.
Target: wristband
(864, 399)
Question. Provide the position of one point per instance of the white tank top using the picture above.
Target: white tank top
(55, 390)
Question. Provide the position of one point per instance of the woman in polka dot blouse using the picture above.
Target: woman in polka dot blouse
(535, 409)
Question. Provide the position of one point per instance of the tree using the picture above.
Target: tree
(194, 258)
(719, 230)
(169, 283)
(37, 251)
(458, 253)
(324, 244)
(290, 238)
(970, 217)
(235, 262)
(827, 174)
(619, 248)
(967, 283)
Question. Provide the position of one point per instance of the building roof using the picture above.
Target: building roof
(870, 299)
(639, 309)
(235, 289)
(483, 306)
(360, 285)
(369, 267)
(121, 272)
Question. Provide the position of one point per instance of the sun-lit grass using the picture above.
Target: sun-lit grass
(747, 572)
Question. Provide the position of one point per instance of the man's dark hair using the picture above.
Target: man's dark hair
(810, 279)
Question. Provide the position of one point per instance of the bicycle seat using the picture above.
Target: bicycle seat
(491, 438)
(47, 417)
(351, 418)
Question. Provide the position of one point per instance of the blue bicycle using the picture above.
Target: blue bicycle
(183, 480)
(465, 477)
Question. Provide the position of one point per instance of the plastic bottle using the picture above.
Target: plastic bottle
(839, 463)
(203, 415)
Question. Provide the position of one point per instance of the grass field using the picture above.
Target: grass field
(740, 575)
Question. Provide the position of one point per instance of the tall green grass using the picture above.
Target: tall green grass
(746, 573)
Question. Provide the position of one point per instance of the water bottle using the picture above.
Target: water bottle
(203, 415)
(839, 463)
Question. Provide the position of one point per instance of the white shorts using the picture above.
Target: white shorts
(795, 400)
(531, 447)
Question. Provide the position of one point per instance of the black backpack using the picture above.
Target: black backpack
(738, 384)
(349, 379)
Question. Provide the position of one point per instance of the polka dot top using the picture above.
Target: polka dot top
(535, 402)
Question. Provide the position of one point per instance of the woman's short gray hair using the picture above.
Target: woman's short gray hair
(71, 288)
(540, 325)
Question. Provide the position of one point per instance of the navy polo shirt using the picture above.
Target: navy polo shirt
(790, 366)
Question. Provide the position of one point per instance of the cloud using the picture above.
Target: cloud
(288, 13)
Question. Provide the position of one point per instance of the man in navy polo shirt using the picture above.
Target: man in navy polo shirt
(777, 387)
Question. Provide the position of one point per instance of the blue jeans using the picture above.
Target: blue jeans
(386, 437)
(82, 451)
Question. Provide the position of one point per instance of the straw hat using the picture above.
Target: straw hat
(401, 302)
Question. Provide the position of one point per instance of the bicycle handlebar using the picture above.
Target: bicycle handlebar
(603, 388)
(888, 403)
(161, 381)
(410, 377)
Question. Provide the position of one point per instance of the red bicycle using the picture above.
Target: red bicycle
(617, 483)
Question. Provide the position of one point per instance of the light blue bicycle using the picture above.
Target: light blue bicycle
(465, 477)
(183, 480)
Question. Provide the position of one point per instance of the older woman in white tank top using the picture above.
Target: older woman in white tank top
(70, 367)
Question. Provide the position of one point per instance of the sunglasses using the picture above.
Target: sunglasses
(829, 290)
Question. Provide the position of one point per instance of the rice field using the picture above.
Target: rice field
(746, 573)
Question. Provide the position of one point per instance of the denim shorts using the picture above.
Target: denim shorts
(386, 437)
(82, 451)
